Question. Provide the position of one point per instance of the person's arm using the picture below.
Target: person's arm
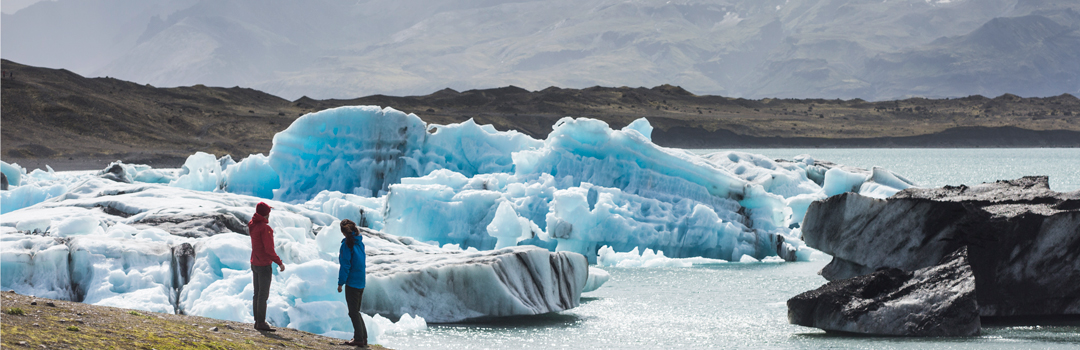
(363, 252)
(268, 246)
(363, 257)
(345, 259)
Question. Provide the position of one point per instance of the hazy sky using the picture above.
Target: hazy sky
(10, 6)
(869, 49)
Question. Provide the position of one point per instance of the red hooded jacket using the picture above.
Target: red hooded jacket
(262, 242)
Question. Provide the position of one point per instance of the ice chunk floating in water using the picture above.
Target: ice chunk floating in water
(648, 258)
(522, 280)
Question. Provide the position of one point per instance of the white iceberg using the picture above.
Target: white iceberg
(648, 258)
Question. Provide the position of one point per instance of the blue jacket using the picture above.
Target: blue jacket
(353, 264)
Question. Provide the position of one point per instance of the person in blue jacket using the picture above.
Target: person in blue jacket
(352, 275)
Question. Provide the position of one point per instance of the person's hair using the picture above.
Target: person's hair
(349, 229)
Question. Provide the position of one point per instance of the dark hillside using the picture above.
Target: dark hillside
(62, 119)
(682, 119)
(57, 114)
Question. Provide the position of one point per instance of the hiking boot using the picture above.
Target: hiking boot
(263, 326)
(353, 342)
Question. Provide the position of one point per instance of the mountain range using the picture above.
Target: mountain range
(872, 50)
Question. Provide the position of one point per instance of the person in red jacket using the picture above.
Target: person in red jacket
(262, 255)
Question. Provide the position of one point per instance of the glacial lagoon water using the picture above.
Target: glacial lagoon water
(742, 305)
(729, 306)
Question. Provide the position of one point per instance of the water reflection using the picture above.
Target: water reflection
(586, 300)
(548, 320)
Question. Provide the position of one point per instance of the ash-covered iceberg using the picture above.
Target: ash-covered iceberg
(1023, 239)
(930, 302)
(520, 280)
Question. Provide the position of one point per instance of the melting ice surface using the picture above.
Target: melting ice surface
(447, 202)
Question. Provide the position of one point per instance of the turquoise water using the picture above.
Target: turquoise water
(743, 306)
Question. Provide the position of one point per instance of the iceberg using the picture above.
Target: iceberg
(934, 301)
(162, 248)
(12, 175)
(583, 187)
(519, 280)
(35, 265)
(648, 258)
(365, 149)
(597, 278)
(1014, 231)
(462, 221)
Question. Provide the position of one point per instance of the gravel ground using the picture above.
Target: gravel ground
(28, 322)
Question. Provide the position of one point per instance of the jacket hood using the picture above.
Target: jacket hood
(262, 208)
(257, 219)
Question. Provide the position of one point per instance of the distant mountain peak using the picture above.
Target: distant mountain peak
(672, 90)
(743, 48)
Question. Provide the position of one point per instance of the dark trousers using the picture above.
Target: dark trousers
(261, 277)
(353, 296)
